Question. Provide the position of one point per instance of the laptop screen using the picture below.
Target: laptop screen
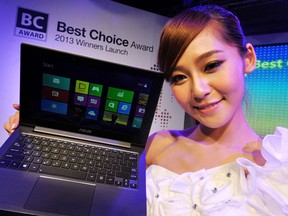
(69, 92)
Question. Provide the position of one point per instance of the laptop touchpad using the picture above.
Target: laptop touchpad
(61, 197)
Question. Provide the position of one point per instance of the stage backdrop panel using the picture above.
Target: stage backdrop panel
(99, 29)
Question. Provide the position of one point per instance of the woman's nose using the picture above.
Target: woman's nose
(200, 88)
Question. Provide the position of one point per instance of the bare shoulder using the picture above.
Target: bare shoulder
(160, 141)
(157, 143)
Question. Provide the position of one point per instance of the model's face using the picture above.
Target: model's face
(208, 81)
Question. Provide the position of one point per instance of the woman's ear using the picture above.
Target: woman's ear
(250, 59)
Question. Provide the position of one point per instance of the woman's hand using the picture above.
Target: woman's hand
(13, 120)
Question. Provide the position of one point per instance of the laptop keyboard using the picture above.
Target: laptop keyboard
(72, 160)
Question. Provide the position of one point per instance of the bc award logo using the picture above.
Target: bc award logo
(31, 24)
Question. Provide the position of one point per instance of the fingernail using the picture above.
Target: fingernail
(13, 126)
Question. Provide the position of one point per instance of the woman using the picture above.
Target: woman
(219, 166)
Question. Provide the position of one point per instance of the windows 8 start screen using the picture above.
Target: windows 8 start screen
(94, 101)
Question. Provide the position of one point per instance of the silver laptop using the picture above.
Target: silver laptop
(83, 128)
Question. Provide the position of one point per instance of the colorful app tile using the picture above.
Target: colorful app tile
(54, 106)
(111, 105)
(93, 102)
(140, 111)
(56, 81)
(110, 117)
(137, 122)
(92, 113)
(143, 99)
(95, 89)
(82, 87)
(120, 94)
(80, 99)
(115, 118)
(55, 94)
(124, 108)
(123, 119)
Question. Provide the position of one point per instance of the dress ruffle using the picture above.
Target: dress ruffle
(225, 190)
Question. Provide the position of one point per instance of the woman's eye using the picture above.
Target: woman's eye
(176, 79)
(212, 65)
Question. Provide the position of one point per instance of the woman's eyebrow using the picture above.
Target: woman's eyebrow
(199, 58)
(207, 54)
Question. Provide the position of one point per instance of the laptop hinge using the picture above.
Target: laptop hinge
(82, 137)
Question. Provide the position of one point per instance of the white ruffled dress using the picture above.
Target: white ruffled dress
(225, 190)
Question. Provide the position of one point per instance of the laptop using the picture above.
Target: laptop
(79, 146)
